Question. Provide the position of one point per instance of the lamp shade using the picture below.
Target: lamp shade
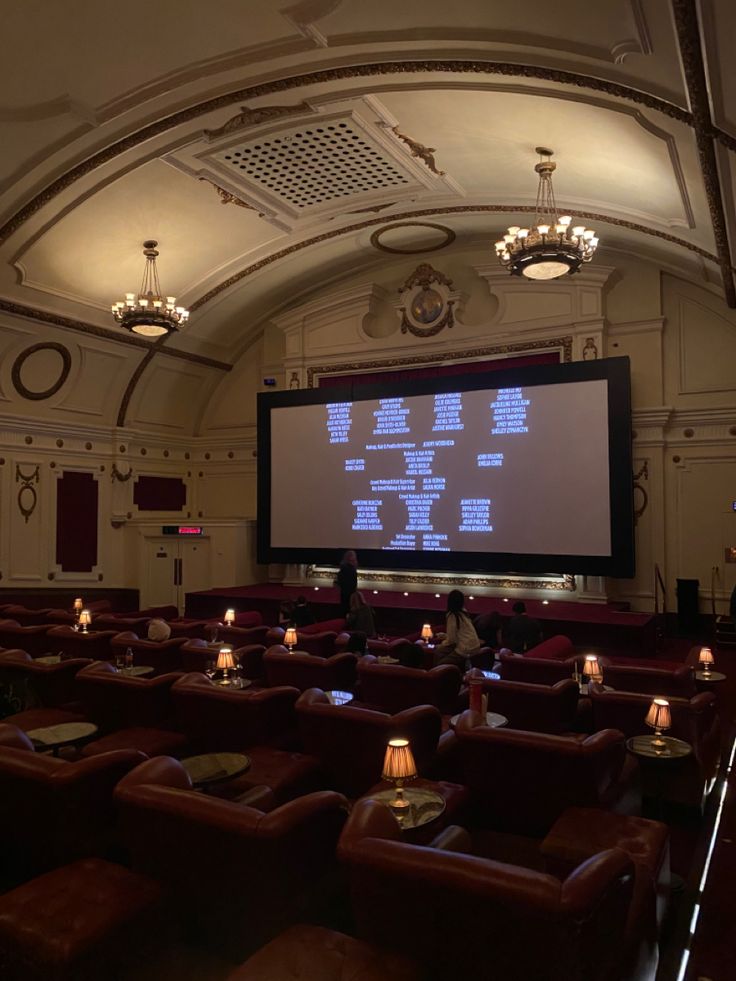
(659, 716)
(706, 656)
(78, 604)
(225, 659)
(290, 636)
(85, 618)
(229, 617)
(398, 763)
(427, 633)
(591, 668)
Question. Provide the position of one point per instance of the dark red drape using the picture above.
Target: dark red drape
(440, 370)
(76, 522)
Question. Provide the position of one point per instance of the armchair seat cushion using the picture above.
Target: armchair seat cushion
(152, 742)
(330, 956)
(289, 775)
(77, 922)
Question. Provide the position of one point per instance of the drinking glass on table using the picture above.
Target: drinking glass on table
(129, 657)
(119, 660)
(210, 669)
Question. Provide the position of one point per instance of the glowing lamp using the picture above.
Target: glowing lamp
(398, 767)
(658, 718)
(290, 638)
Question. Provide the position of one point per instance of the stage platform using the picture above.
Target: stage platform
(602, 626)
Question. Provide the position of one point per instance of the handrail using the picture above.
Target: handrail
(659, 584)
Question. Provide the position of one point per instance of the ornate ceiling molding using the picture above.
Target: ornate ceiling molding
(589, 216)
(278, 86)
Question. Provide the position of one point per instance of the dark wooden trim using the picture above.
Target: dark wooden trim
(691, 53)
(134, 379)
(66, 367)
(62, 597)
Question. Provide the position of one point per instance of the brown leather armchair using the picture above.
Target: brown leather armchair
(261, 723)
(320, 644)
(196, 654)
(53, 811)
(435, 907)
(203, 850)
(303, 671)
(686, 781)
(131, 713)
(238, 637)
(536, 670)
(164, 656)
(25, 616)
(393, 688)
(33, 639)
(74, 643)
(350, 743)
(521, 782)
(650, 679)
(48, 689)
(534, 708)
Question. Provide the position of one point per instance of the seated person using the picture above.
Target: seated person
(158, 630)
(461, 641)
(302, 615)
(521, 632)
(360, 616)
(488, 627)
(286, 614)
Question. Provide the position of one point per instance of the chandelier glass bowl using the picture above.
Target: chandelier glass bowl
(553, 246)
(149, 313)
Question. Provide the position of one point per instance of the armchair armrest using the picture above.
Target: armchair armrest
(453, 839)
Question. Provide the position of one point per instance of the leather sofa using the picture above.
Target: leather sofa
(457, 915)
(393, 688)
(303, 671)
(350, 743)
(131, 713)
(685, 781)
(47, 685)
(262, 723)
(235, 875)
(520, 782)
(53, 811)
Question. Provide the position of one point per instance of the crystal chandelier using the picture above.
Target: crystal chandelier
(553, 246)
(150, 313)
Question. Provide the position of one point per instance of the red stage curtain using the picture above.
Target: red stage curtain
(440, 370)
(76, 522)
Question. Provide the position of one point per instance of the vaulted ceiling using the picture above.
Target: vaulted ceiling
(273, 146)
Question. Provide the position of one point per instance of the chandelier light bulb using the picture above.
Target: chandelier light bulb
(536, 252)
(143, 313)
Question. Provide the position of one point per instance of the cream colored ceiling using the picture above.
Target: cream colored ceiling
(96, 77)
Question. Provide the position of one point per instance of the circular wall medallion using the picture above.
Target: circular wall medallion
(58, 362)
(427, 305)
(434, 242)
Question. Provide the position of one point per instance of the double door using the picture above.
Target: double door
(174, 567)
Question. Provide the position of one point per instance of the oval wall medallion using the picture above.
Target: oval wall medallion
(434, 243)
(60, 364)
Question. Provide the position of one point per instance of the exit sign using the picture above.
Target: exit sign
(182, 530)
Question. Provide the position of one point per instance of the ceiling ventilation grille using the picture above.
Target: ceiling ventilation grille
(315, 165)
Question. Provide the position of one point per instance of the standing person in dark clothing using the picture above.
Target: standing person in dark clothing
(522, 632)
(347, 580)
(302, 615)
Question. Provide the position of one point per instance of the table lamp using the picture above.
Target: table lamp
(398, 767)
(659, 718)
(229, 618)
(290, 638)
(427, 634)
(225, 661)
(85, 619)
(706, 659)
(592, 669)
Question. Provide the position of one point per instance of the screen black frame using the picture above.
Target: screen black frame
(621, 562)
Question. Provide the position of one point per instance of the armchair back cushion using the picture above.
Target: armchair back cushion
(303, 671)
(393, 688)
